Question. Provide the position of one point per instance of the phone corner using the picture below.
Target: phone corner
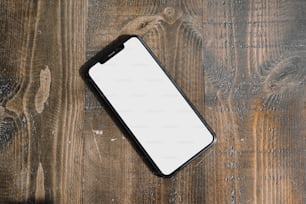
(213, 140)
(84, 70)
(160, 174)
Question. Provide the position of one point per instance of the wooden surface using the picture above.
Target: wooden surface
(242, 63)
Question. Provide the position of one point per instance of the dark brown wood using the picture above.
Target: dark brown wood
(41, 94)
(242, 63)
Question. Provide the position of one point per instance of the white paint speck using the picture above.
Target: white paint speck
(98, 132)
(113, 139)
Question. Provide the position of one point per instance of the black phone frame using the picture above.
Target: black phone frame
(109, 51)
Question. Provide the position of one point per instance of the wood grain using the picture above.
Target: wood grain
(255, 78)
(242, 63)
(42, 46)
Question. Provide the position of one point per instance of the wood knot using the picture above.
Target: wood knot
(8, 88)
(287, 75)
(169, 12)
(286, 78)
(171, 15)
(7, 129)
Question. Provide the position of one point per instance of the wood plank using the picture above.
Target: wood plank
(255, 90)
(42, 49)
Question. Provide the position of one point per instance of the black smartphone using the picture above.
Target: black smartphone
(156, 113)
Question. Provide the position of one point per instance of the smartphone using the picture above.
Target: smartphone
(148, 103)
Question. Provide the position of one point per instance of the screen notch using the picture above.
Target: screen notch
(112, 52)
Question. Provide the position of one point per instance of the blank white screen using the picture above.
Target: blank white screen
(151, 106)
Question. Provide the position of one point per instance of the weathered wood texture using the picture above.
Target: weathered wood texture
(242, 63)
(41, 96)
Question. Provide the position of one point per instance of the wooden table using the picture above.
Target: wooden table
(242, 63)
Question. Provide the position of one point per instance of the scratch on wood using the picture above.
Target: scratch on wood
(43, 92)
(97, 147)
(40, 184)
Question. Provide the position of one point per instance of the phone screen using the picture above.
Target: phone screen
(151, 106)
